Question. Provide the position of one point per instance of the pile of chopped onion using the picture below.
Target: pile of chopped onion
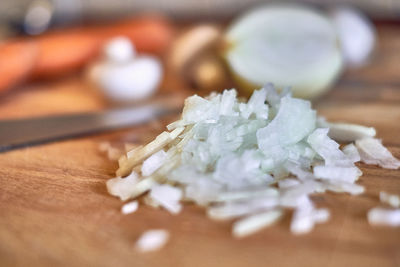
(249, 161)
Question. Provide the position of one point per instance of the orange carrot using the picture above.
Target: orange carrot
(16, 61)
(61, 53)
(150, 34)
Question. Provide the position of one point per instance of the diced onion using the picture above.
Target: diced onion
(249, 160)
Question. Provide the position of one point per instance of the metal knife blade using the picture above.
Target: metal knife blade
(25, 132)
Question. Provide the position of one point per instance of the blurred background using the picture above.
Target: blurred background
(110, 53)
(76, 11)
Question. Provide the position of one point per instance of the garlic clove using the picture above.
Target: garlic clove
(119, 50)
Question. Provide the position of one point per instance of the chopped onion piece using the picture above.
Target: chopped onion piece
(228, 100)
(287, 183)
(345, 174)
(299, 172)
(123, 187)
(373, 152)
(304, 219)
(168, 197)
(202, 191)
(255, 223)
(113, 153)
(159, 143)
(256, 105)
(142, 186)
(344, 187)
(351, 152)
(152, 240)
(296, 196)
(232, 210)
(246, 194)
(327, 148)
(149, 201)
(130, 207)
(321, 215)
(152, 163)
(386, 217)
(392, 200)
(175, 124)
(294, 121)
(346, 132)
(131, 152)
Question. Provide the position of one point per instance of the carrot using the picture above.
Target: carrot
(150, 34)
(16, 61)
(61, 53)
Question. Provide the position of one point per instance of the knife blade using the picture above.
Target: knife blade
(32, 131)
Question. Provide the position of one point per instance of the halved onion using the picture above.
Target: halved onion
(286, 45)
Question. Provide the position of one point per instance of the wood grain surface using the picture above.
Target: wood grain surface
(55, 211)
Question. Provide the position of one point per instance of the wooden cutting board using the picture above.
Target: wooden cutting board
(55, 211)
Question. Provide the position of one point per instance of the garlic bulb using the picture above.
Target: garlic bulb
(124, 77)
(132, 81)
(119, 49)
